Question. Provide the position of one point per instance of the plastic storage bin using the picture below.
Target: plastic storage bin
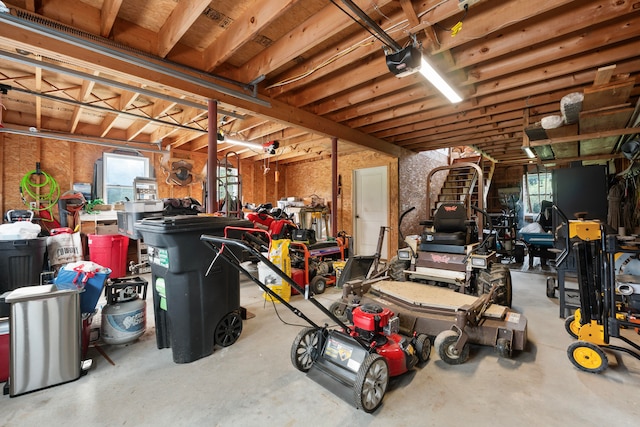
(21, 262)
(83, 277)
(193, 312)
(110, 250)
(127, 222)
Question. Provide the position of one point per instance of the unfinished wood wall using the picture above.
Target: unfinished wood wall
(66, 162)
(70, 162)
(508, 176)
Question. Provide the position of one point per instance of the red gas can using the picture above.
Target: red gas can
(297, 274)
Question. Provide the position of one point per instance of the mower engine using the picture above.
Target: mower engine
(379, 327)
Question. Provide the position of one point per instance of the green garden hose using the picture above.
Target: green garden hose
(45, 200)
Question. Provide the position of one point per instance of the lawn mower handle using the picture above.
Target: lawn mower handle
(211, 241)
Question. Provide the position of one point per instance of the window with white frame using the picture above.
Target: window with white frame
(119, 171)
(538, 187)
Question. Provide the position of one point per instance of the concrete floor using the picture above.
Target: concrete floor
(253, 382)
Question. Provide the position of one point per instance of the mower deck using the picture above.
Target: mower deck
(430, 310)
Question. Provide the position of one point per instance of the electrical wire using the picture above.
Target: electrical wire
(466, 10)
(323, 64)
(275, 308)
(400, 26)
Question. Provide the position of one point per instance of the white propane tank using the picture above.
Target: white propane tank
(124, 318)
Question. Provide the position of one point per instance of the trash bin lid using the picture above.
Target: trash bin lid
(181, 223)
(29, 292)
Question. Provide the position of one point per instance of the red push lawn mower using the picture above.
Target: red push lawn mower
(354, 362)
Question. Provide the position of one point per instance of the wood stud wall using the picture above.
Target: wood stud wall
(70, 162)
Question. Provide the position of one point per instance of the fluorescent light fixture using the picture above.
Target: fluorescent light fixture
(410, 60)
(247, 144)
(436, 80)
(530, 153)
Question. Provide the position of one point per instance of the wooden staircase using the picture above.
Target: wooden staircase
(461, 183)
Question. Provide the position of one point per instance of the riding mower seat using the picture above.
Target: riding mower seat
(449, 231)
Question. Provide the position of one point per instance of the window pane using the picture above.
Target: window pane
(115, 194)
(539, 187)
(119, 173)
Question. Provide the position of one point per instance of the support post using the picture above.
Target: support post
(334, 186)
(212, 157)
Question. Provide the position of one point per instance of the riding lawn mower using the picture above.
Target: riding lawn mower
(449, 254)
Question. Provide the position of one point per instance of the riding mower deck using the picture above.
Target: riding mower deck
(354, 362)
(455, 320)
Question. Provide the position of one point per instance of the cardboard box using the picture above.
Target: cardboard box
(107, 229)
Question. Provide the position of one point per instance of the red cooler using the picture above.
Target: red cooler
(110, 250)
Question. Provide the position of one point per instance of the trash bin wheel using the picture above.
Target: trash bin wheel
(228, 330)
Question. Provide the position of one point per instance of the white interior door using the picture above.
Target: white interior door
(371, 209)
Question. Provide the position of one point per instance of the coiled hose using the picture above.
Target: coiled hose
(44, 200)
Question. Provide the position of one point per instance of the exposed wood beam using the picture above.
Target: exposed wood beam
(461, 128)
(243, 30)
(594, 135)
(126, 98)
(181, 18)
(85, 91)
(278, 111)
(108, 15)
(578, 16)
(308, 34)
(491, 97)
(488, 20)
(590, 158)
(533, 73)
(576, 45)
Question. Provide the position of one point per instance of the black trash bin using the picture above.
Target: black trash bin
(21, 263)
(193, 311)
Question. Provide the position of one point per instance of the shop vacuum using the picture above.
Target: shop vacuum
(124, 317)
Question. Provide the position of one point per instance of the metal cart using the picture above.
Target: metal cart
(605, 307)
